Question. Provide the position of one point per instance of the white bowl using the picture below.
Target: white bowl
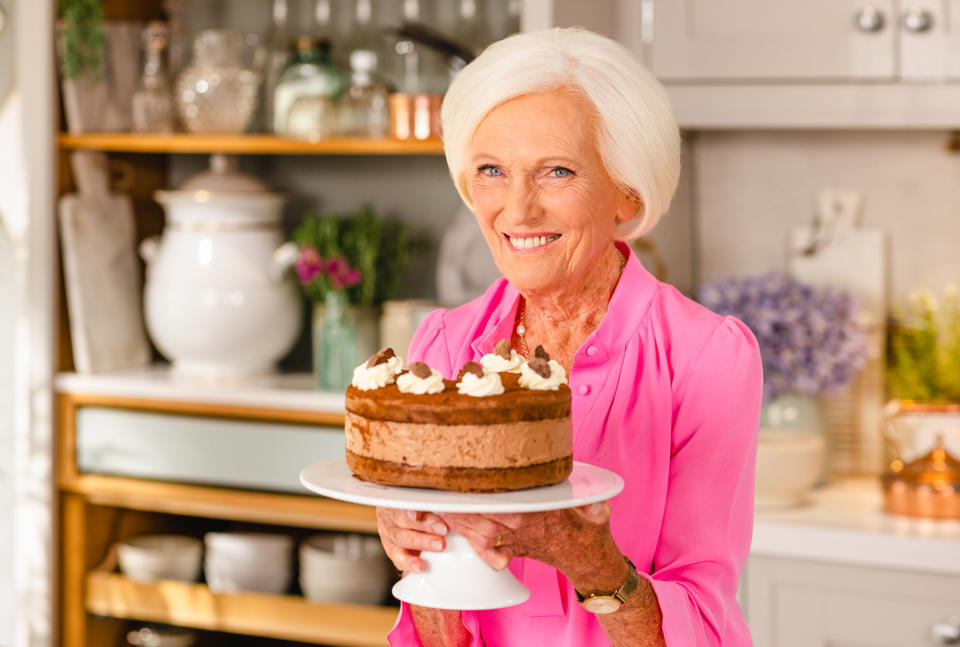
(344, 568)
(248, 544)
(789, 464)
(160, 557)
(225, 577)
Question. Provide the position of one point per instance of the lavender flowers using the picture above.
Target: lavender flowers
(810, 340)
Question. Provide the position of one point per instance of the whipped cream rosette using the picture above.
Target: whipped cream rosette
(420, 379)
(378, 371)
(475, 381)
(540, 373)
(503, 359)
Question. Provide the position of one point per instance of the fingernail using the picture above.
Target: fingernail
(596, 509)
(439, 528)
(502, 562)
(412, 514)
(436, 545)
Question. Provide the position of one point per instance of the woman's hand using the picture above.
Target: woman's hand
(569, 540)
(404, 533)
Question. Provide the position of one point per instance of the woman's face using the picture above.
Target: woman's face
(544, 201)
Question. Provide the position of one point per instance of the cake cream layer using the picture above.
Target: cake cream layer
(512, 444)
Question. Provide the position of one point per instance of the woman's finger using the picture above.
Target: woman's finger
(478, 524)
(406, 561)
(423, 521)
(595, 513)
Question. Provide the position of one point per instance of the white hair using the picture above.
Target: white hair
(638, 137)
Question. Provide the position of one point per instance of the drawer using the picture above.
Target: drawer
(792, 603)
(193, 449)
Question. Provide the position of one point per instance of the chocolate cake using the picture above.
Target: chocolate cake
(489, 431)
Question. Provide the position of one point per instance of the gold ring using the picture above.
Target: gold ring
(499, 541)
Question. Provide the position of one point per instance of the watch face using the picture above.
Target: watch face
(601, 604)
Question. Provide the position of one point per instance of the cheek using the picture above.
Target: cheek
(487, 203)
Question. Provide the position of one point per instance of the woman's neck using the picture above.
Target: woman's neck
(562, 320)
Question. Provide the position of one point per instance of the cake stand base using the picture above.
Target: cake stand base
(457, 578)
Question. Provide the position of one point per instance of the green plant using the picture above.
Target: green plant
(924, 349)
(82, 34)
(379, 249)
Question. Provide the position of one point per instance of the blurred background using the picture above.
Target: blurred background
(211, 210)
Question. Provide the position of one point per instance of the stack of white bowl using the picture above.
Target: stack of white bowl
(160, 557)
(247, 561)
(344, 568)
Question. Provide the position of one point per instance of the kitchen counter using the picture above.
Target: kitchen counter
(845, 523)
(159, 382)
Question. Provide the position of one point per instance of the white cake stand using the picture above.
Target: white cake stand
(457, 578)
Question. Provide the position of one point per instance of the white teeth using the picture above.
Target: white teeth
(530, 242)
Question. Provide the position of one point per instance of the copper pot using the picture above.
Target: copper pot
(929, 485)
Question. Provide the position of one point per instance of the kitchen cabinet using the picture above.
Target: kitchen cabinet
(817, 40)
(793, 603)
(101, 505)
(821, 63)
(840, 572)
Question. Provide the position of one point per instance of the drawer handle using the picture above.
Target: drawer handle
(917, 20)
(869, 19)
(946, 631)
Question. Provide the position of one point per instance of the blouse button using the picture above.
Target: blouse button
(591, 351)
(583, 389)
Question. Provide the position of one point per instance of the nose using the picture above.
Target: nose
(521, 206)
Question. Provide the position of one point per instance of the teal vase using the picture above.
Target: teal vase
(336, 343)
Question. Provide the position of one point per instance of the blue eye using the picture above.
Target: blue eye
(559, 171)
(489, 170)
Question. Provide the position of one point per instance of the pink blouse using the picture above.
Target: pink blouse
(666, 394)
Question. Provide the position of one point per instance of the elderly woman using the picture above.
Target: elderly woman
(564, 146)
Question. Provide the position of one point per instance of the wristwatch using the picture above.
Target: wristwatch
(610, 602)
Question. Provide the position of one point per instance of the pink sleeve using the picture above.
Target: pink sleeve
(429, 345)
(708, 519)
(404, 634)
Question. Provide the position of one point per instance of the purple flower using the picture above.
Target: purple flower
(810, 340)
(336, 266)
(352, 277)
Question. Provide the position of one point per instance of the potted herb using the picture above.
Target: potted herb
(376, 253)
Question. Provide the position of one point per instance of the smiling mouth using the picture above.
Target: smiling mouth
(525, 242)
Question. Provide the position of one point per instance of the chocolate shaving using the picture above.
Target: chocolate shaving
(472, 367)
(420, 369)
(540, 353)
(502, 348)
(540, 366)
(381, 357)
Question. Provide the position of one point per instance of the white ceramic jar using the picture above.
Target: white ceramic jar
(217, 301)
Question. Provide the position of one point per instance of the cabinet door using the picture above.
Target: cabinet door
(731, 40)
(929, 40)
(808, 604)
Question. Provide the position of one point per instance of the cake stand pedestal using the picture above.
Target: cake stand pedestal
(457, 578)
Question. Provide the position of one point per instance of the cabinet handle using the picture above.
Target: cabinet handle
(869, 19)
(917, 20)
(946, 631)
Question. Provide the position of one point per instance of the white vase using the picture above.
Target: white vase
(791, 451)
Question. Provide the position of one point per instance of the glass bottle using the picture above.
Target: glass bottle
(337, 344)
(310, 79)
(278, 55)
(152, 102)
(363, 109)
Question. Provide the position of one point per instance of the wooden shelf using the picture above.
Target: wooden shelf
(306, 511)
(282, 617)
(245, 144)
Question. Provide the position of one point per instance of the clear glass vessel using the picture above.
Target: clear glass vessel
(310, 80)
(337, 343)
(152, 102)
(364, 108)
(217, 92)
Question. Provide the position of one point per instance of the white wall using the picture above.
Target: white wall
(751, 188)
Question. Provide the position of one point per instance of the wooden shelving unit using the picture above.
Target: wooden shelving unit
(252, 144)
(284, 617)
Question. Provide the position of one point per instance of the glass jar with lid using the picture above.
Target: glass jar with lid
(312, 81)
(364, 108)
